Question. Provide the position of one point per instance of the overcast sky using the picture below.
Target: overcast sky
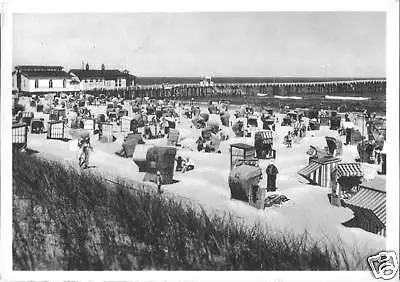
(197, 44)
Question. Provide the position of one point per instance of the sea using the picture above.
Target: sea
(242, 79)
(373, 101)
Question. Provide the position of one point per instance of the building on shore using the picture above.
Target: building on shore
(207, 81)
(42, 79)
(103, 78)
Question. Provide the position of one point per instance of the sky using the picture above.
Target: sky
(314, 44)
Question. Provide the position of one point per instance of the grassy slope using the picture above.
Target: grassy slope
(64, 219)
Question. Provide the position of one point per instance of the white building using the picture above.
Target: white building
(207, 81)
(42, 79)
(102, 79)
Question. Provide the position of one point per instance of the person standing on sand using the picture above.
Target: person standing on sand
(200, 144)
(159, 182)
(179, 162)
(271, 172)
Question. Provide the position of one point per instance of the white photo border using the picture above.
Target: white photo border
(74, 6)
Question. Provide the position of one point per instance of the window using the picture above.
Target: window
(50, 83)
(36, 83)
(85, 80)
(64, 83)
(91, 80)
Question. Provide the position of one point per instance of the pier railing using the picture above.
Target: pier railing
(221, 90)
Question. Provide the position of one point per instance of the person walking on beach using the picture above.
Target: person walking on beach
(288, 139)
(271, 172)
(84, 146)
(159, 182)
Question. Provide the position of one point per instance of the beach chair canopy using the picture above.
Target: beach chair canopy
(198, 122)
(129, 147)
(334, 144)
(135, 109)
(365, 149)
(264, 135)
(349, 170)
(196, 111)
(173, 135)
(214, 125)
(205, 116)
(206, 132)
(212, 109)
(225, 119)
(311, 114)
(136, 136)
(237, 128)
(241, 178)
(215, 140)
(161, 159)
(37, 125)
(252, 121)
(140, 154)
(268, 112)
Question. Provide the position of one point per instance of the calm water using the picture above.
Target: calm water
(197, 79)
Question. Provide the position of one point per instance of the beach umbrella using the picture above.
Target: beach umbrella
(204, 116)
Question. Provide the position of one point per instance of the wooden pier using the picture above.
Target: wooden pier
(224, 90)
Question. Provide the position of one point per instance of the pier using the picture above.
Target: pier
(225, 90)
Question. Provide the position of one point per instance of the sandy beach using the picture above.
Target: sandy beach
(308, 208)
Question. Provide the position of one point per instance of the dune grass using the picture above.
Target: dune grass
(67, 220)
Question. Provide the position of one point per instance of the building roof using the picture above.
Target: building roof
(38, 71)
(46, 74)
(130, 75)
(38, 67)
(96, 74)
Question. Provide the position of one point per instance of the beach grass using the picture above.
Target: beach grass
(65, 219)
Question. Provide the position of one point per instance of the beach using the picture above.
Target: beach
(308, 208)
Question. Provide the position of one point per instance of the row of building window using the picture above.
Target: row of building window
(50, 83)
(117, 82)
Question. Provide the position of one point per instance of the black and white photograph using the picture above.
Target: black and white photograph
(200, 140)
